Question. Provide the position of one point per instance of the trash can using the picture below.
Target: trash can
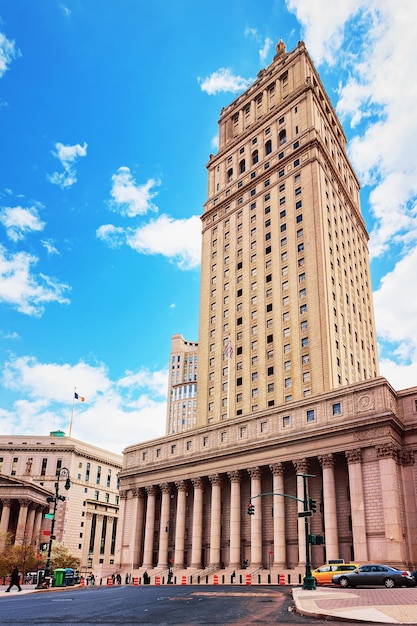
(59, 577)
(69, 577)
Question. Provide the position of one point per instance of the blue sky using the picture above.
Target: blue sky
(108, 114)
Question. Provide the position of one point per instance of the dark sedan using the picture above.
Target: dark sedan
(375, 574)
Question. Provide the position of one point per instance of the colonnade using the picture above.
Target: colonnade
(202, 521)
(26, 526)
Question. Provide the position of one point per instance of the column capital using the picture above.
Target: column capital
(165, 488)
(277, 469)
(24, 502)
(326, 460)
(150, 490)
(138, 492)
(387, 450)
(181, 485)
(6, 502)
(215, 479)
(197, 483)
(255, 472)
(301, 466)
(407, 457)
(235, 476)
(354, 456)
(123, 494)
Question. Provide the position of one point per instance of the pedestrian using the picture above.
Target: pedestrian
(92, 579)
(14, 580)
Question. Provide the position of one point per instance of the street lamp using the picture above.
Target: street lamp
(170, 573)
(63, 473)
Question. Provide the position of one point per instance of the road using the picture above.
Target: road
(156, 606)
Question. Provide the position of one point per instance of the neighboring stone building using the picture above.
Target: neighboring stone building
(288, 379)
(86, 521)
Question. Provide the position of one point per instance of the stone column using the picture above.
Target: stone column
(330, 509)
(164, 526)
(149, 528)
(301, 467)
(215, 521)
(410, 504)
(38, 525)
(388, 455)
(235, 559)
(5, 518)
(256, 519)
(180, 523)
(137, 527)
(97, 539)
(280, 553)
(197, 533)
(30, 524)
(88, 537)
(21, 522)
(357, 504)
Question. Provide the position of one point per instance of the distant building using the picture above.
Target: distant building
(86, 521)
(182, 385)
(289, 393)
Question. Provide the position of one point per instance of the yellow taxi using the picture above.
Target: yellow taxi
(324, 574)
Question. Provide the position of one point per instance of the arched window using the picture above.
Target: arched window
(268, 147)
(255, 157)
(282, 137)
(230, 175)
(242, 166)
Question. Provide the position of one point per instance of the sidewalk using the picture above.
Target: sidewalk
(389, 606)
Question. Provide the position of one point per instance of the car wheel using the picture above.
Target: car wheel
(343, 582)
(389, 583)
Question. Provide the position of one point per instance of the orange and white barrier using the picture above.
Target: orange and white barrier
(248, 579)
(184, 580)
(157, 580)
(136, 582)
(281, 579)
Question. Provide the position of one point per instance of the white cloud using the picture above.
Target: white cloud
(8, 52)
(50, 247)
(129, 198)
(21, 289)
(264, 43)
(179, 240)
(136, 403)
(223, 80)
(67, 155)
(19, 221)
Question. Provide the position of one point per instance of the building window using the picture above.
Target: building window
(96, 494)
(310, 415)
(286, 421)
(337, 409)
(255, 157)
(98, 474)
(43, 469)
(304, 342)
(173, 448)
(205, 441)
(87, 472)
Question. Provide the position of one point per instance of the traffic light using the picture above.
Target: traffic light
(316, 540)
(251, 509)
(312, 505)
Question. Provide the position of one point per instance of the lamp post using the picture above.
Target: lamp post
(63, 473)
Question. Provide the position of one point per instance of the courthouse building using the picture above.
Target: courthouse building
(86, 520)
(288, 392)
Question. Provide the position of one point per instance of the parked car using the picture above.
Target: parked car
(375, 574)
(324, 574)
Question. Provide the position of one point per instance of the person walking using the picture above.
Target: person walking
(14, 580)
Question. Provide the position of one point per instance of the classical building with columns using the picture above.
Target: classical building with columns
(290, 404)
(86, 520)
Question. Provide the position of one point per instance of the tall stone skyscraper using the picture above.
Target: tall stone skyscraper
(291, 409)
(285, 272)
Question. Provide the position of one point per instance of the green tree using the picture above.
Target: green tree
(62, 557)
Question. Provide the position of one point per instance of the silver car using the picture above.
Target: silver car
(375, 574)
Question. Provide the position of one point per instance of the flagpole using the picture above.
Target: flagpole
(72, 412)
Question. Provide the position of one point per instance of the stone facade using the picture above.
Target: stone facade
(86, 521)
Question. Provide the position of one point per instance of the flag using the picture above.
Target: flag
(77, 397)
(228, 351)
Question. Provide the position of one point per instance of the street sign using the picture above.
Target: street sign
(49, 516)
(305, 514)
